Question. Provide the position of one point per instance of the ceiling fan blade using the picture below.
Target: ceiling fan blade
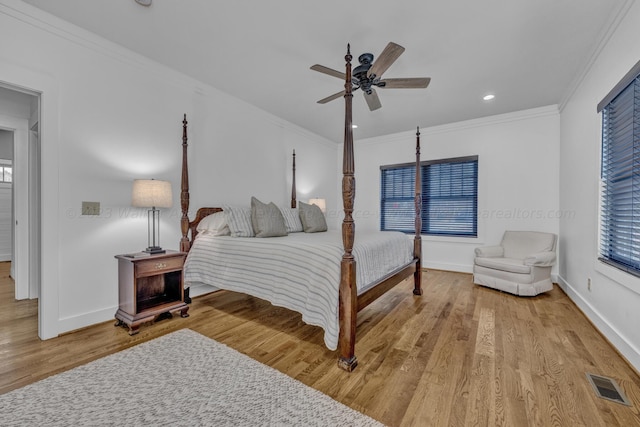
(406, 83)
(331, 97)
(329, 71)
(388, 56)
(372, 100)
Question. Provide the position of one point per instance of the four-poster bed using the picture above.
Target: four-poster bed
(352, 297)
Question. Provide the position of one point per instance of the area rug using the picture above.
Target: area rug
(179, 379)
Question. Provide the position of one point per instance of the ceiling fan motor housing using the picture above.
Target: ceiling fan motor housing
(360, 73)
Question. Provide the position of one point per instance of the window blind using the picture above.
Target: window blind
(620, 176)
(397, 198)
(449, 197)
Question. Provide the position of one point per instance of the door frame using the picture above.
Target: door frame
(16, 77)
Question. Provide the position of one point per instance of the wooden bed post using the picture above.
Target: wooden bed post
(348, 301)
(185, 244)
(294, 202)
(417, 241)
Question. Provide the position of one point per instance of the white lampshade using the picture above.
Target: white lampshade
(321, 203)
(151, 193)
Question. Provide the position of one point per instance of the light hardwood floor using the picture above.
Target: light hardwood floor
(460, 355)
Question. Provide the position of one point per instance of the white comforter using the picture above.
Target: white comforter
(300, 271)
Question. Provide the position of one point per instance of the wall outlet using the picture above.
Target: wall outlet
(90, 208)
(589, 284)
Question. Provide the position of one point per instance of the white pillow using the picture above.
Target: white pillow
(291, 219)
(239, 220)
(214, 224)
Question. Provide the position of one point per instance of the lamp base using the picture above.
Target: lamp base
(154, 250)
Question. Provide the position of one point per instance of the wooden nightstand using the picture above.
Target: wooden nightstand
(149, 286)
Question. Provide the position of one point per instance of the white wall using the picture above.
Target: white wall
(110, 116)
(613, 303)
(517, 177)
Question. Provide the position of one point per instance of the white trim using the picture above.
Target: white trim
(96, 44)
(549, 110)
(56, 26)
(625, 347)
(609, 29)
(446, 266)
(623, 278)
(82, 320)
(35, 82)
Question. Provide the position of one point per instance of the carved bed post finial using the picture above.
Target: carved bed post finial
(184, 193)
(417, 241)
(294, 202)
(348, 307)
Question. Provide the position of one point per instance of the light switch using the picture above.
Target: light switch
(90, 208)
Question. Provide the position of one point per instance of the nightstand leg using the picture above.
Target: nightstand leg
(183, 312)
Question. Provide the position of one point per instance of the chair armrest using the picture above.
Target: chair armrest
(541, 259)
(490, 251)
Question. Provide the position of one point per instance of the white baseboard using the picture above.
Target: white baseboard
(79, 321)
(624, 347)
(458, 268)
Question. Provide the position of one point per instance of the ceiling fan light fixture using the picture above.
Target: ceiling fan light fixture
(488, 97)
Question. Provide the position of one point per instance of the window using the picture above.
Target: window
(6, 173)
(449, 197)
(620, 175)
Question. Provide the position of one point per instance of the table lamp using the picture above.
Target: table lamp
(151, 193)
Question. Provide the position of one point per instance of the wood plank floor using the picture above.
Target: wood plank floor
(460, 355)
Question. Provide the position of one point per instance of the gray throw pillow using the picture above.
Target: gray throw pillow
(267, 219)
(312, 218)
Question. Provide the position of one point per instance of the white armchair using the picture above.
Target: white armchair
(521, 264)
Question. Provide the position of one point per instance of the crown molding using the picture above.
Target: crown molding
(606, 34)
(549, 110)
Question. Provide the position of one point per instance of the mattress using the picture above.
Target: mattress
(300, 271)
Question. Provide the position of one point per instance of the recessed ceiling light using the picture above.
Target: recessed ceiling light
(354, 126)
(488, 97)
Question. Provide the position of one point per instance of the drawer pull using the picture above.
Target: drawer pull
(160, 265)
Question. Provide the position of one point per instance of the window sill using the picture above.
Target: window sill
(623, 278)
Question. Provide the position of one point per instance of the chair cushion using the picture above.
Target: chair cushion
(511, 265)
(521, 244)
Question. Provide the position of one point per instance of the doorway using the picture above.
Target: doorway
(20, 117)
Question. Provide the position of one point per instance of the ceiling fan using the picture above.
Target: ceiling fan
(369, 74)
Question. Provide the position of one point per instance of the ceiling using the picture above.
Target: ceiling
(528, 53)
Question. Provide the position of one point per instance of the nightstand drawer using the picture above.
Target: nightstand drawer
(162, 265)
